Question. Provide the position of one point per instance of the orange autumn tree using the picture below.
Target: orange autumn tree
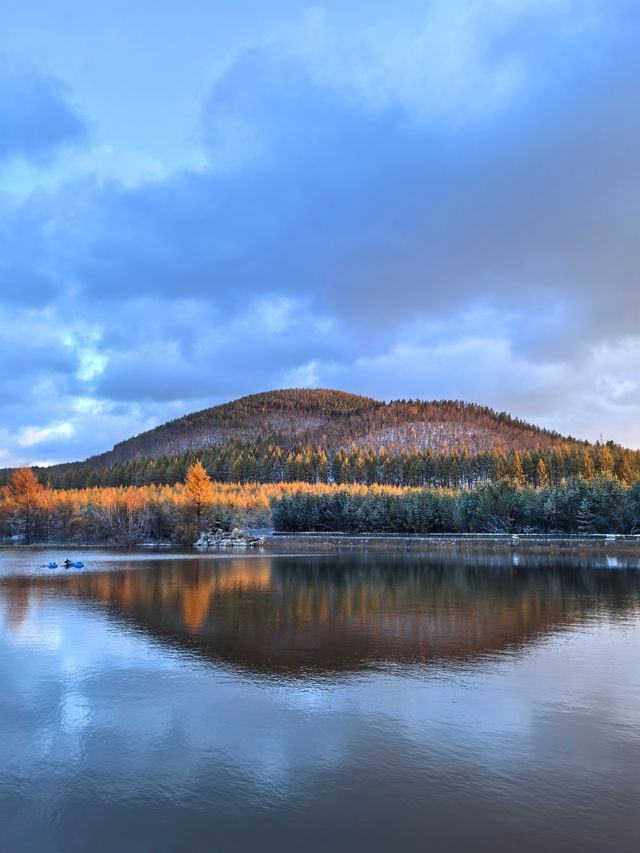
(199, 488)
(24, 493)
(542, 477)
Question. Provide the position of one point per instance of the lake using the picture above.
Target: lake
(166, 701)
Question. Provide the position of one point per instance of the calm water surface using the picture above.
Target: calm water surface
(176, 702)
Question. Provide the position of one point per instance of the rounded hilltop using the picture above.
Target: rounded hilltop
(324, 400)
(333, 419)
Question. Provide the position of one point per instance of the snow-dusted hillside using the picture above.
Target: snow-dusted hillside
(334, 419)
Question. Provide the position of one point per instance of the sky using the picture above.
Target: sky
(201, 200)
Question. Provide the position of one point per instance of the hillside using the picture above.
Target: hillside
(323, 436)
(334, 419)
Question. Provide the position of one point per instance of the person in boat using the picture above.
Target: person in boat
(67, 563)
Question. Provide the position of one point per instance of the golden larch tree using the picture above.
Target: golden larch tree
(542, 478)
(605, 460)
(199, 488)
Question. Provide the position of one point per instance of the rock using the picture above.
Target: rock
(221, 539)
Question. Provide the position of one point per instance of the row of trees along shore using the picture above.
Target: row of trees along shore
(240, 462)
(576, 506)
(31, 512)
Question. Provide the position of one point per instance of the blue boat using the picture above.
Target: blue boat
(52, 565)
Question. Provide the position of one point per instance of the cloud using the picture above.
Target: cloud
(440, 205)
(194, 359)
(36, 116)
(37, 435)
(340, 202)
(456, 62)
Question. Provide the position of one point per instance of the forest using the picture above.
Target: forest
(264, 462)
(576, 506)
(329, 437)
(326, 436)
(33, 512)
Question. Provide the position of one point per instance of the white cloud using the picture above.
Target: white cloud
(91, 364)
(30, 436)
(302, 376)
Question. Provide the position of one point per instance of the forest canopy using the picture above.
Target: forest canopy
(265, 462)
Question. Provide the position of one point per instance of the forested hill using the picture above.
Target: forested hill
(320, 436)
(333, 420)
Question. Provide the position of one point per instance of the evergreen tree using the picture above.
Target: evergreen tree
(585, 516)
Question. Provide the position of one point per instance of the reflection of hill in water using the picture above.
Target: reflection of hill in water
(347, 612)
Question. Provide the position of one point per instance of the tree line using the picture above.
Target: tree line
(31, 512)
(265, 462)
(576, 506)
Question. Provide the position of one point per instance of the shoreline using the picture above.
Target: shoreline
(599, 543)
(283, 542)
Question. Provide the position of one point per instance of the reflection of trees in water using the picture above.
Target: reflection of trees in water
(350, 611)
(16, 603)
(16, 597)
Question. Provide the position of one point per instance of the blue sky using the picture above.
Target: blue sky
(200, 200)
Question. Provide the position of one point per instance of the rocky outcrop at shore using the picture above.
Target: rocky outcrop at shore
(224, 539)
